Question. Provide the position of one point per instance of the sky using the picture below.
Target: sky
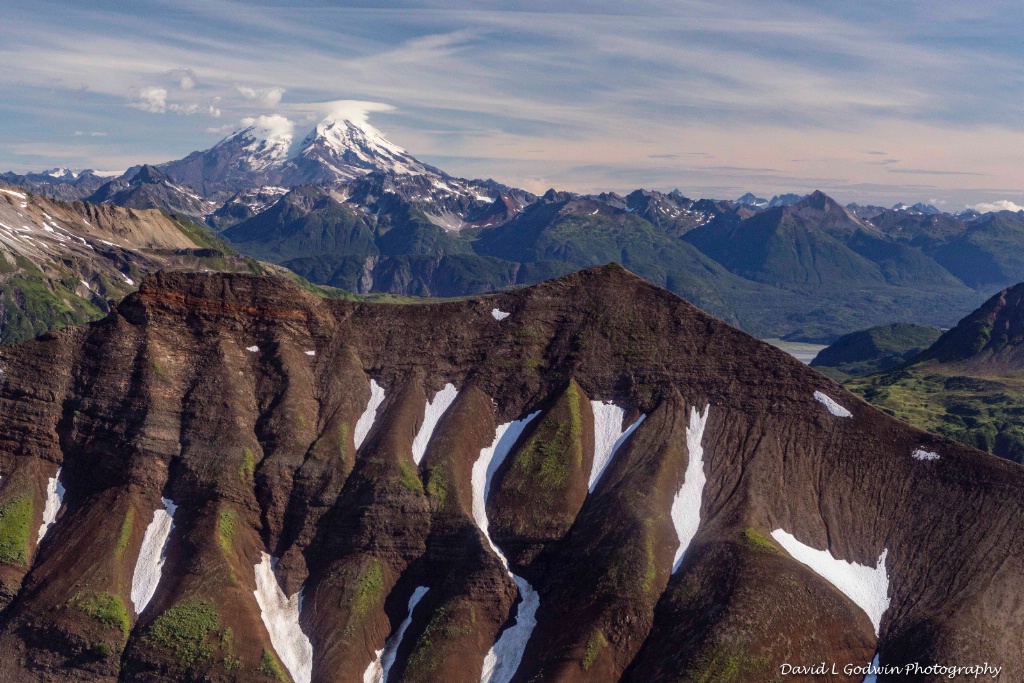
(876, 101)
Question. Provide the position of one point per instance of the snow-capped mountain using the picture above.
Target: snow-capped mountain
(264, 154)
(341, 149)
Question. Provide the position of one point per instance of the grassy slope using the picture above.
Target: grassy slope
(984, 412)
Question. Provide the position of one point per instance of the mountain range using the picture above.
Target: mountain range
(344, 207)
(230, 479)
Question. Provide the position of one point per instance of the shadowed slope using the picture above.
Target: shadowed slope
(236, 397)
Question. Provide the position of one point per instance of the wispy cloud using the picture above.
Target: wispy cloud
(541, 90)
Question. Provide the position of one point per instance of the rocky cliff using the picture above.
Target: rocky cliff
(228, 479)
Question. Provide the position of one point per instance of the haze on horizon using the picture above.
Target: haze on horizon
(871, 102)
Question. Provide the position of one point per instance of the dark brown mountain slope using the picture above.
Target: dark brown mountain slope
(248, 405)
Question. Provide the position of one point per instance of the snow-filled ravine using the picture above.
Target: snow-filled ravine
(608, 437)
(431, 415)
(54, 499)
(366, 420)
(150, 565)
(281, 617)
(504, 657)
(867, 587)
(832, 406)
(380, 668)
(686, 504)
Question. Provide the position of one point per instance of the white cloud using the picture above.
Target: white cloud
(274, 126)
(151, 99)
(1001, 205)
(267, 97)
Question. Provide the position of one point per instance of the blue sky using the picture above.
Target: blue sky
(874, 101)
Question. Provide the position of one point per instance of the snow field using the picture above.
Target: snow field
(366, 420)
(832, 406)
(686, 504)
(867, 587)
(152, 556)
(431, 416)
(380, 668)
(281, 617)
(608, 437)
(504, 657)
(54, 499)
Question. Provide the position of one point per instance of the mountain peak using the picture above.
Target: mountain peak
(990, 337)
(266, 152)
(351, 148)
(817, 200)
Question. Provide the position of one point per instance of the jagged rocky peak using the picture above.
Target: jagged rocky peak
(753, 201)
(588, 479)
(553, 196)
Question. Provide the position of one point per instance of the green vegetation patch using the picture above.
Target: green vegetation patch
(30, 305)
(248, 466)
(200, 236)
(755, 539)
(595, 644)
(545, 463)
(269, 666)
(124, 536)
(188, 630)
(650, 566)
(106, 608)
(410, 475)
(445, 625)
(226, 523)
(438, 485)
(15, 527)
(725, 665)
(369, 589)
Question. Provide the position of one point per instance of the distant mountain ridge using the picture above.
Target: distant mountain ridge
(800, 267)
